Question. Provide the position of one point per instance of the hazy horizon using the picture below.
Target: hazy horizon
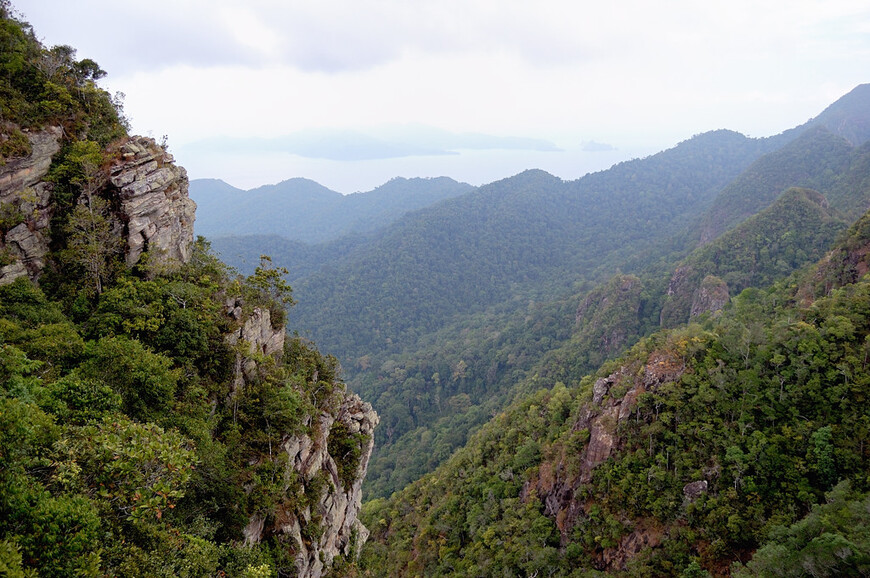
(353, 94)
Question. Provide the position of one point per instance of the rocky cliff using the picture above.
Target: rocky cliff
(153, 207)
(614, 402)
(335, 511)
(154, 201)
(329, 461)
(25, 209)
(150, 209)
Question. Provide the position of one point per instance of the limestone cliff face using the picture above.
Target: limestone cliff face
(155, 211)
(326, 524)
(338, 507)
(26, 198)
(154, 202)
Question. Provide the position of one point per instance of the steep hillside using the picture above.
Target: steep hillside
(683, 457)
(795, 230)
(154, 418)
(808, 161)
(429, 406)
(848, 117)
(427, 414)
(302, 210)
(812, 155)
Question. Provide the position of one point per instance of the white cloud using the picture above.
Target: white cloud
(627, 72)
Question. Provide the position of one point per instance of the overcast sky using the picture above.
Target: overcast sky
(353, 92)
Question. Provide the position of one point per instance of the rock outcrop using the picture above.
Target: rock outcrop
(25, 209)
(255, 340)
(614, 401)
(337, 508)
(326, 522)
(154, 202)
(711, 297)
(153, 209)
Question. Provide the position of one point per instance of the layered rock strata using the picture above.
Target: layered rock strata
(154, 202)
(25, 207)
(154, 208)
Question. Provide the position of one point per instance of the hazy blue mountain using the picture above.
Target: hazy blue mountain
(303, 210)
(848, 117)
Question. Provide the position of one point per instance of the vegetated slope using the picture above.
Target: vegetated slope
(300, 259)
(795, 230)
(154, 421)
(431, 399)
(821, 147)
(684, 456)
(848, 117)
(437, 391)
(531, 232)
(302, 210)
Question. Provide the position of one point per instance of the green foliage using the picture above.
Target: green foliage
(524, 237)
(41, 86)
(10, 560)
(79, 400)
(794, 231)
(268, 285)
(139, 470)
(131, 441)
(832, 540)
(766, 404)
(145, 380)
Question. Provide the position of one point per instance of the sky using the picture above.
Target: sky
(351, 93)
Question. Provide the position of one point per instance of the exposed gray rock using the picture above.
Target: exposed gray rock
(154, 205)
(29, 246)
(20, 173)
(154, 202)
(254, 339)
(694, 490)
(22, 192)
(338, 508)
(711, 297)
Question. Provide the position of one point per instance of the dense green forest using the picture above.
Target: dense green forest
(432, 398)
(655, 370)
(699, 446)
(438, 318)
(532, 234)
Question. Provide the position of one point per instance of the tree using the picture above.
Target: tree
(91, 237)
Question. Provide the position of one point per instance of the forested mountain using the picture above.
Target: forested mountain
(700, 446)
(655, 370)
(530, 233)
(442, 387)
(300, 259)
(848, 118)
(816, 159)
(302, 210)
(432, 398)
(795, 230)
